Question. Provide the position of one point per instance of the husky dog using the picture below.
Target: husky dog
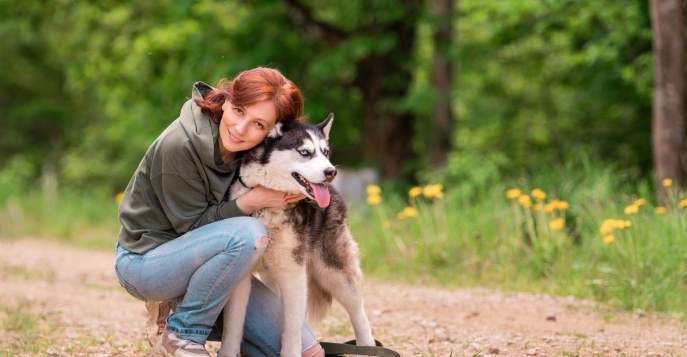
(311, 257)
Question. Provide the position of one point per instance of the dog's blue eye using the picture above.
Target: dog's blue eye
(325, 152)
(304, 152)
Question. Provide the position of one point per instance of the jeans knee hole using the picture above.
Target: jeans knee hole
(261, 242)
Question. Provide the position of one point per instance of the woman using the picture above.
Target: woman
(182, 239)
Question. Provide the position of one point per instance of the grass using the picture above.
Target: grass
(455, 236)
(534, 243)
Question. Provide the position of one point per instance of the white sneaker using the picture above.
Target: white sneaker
(173, 346)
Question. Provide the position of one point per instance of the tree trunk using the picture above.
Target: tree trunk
(442, 82)
(388, 132)
(668, 125)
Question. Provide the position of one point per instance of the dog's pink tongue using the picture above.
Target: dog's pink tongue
(321, 193)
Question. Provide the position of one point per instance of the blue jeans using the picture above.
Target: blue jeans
(199, 271)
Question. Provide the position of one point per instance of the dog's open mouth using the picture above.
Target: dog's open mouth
(318, 191)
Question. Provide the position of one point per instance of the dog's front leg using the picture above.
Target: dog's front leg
(293, 292)
(234, 318)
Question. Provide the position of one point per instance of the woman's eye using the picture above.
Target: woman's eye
(259, 125)
(238, 111)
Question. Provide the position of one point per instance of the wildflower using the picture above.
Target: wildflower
(562, 205)
(525, 201)
(661, 210)
(513, 193)
(551, 206)
(639, 202)
(374, 200)
(536, 207)
(682, 204)
(609, 225)
(433, 191)
(408, 212)
(609, 239)
(414, 192)
(119, 197)
(373, 190)
(631, 209)
(538, 194)
(557, 224)
(667, 182)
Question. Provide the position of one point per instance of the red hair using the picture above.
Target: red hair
(253, 86)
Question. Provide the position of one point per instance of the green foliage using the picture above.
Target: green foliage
(91, 84)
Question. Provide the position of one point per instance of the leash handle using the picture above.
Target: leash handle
(332, 349)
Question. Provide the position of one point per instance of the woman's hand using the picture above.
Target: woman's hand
(261, 197)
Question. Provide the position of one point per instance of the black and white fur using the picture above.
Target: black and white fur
(311, 256)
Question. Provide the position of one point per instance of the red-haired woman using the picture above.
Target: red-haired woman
(182, 240)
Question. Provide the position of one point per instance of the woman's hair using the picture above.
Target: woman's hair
(253, 86)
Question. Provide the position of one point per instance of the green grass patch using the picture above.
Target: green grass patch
(26, 329)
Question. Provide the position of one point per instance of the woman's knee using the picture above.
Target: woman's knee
(249, 230)
(314, 351)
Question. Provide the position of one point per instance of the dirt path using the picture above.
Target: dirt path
(78, 309)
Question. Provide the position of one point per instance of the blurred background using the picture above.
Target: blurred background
(582, 99)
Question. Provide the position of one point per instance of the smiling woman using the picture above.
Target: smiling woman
(180, 191)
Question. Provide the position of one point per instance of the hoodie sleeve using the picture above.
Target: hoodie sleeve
(185, 203)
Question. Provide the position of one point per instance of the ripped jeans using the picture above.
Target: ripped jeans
(199, 271)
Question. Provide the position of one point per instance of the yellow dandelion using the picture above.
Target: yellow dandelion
(373, 190)
(562, 205)
(667, 182)
(513, 193)
(609, 225)
(525, 201)
(639, 202)
(119, 197)
(538, 194)
(536, 207)
(631, 209)
(557, 224)
(661, 210)
(551, 206)
(374, 200)
(682, 203)
(609, 239)
(414, 192)
(410, 212)
(433, 191)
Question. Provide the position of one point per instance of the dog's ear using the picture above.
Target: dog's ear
(276, 131)
(326, 125)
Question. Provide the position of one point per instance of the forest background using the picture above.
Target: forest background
(477, 96)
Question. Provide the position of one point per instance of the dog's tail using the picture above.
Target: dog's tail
(319, 302)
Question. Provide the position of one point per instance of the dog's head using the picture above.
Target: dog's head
(295, 158)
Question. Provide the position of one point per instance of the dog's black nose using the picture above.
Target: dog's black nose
(330, 173)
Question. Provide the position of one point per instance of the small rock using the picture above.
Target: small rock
(532, 352)
(551, 317)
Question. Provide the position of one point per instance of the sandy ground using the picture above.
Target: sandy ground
(76, 293)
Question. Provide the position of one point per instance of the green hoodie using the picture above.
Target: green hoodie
(180, 184)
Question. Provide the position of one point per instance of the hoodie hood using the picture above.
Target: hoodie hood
(202, 132)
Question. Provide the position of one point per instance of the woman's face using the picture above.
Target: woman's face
(242, 128)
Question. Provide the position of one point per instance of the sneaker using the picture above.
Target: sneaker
(173, 346)
(157, 317)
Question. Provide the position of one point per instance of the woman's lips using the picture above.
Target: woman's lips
(234, 138)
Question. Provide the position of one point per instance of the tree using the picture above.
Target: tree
(668, 129)
(443, 121)
(382, 45)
